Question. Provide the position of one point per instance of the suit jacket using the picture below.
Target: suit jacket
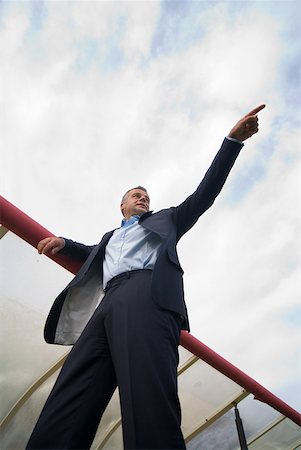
(77, 302)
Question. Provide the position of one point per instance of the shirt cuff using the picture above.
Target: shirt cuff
(234, 140)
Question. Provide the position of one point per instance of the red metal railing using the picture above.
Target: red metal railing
(31, 231)
(27, 229)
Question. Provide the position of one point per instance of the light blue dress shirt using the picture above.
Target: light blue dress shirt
(131, 247)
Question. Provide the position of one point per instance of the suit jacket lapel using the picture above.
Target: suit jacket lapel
(157, 223)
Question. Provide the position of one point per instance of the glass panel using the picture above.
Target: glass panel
(255, 415)
(111, 415)
(285, 436)
(115, 442)
(29, 278)
(29, 285)
(17, 432)
(221, 434)
(184, 355)
(203, 391)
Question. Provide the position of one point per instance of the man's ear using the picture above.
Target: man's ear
(121, 208)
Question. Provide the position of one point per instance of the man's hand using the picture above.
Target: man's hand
(50, 245)
(247, 126)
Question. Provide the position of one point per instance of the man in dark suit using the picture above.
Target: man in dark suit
(124, 312)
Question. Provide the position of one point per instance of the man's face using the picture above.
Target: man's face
(136, 203)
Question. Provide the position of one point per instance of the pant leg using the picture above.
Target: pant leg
(86, 383)
(144, 343)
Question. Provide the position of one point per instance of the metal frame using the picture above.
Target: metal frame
(3, 231)
(267, 429)
(28, 393)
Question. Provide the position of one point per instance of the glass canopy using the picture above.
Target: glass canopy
(30, 367)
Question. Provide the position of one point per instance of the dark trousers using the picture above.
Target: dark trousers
(129, 342)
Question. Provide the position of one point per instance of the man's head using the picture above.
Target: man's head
(135, 202)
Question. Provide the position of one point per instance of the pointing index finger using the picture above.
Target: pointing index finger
(255, 110)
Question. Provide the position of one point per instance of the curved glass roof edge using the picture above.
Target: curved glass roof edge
(28, 393)
(109, 433)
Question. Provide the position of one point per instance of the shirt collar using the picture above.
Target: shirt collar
(127, 222)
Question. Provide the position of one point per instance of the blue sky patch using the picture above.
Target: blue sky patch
(244, 180)
(38, 13)
(107, 56)
(179, 26)
(89, 51)
(106, 53)
(293, 316)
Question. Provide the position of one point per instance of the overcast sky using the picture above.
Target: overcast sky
(102, 96)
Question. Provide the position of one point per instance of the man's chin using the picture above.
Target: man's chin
(140, 211)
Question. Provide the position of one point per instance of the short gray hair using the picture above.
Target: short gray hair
(127, 192)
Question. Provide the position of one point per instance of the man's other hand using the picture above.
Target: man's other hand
(247, 126)
(50, 245)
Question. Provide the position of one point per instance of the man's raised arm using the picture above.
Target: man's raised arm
(188, 212)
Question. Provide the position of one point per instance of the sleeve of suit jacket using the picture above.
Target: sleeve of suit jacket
(76, 250)
(188, 212)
